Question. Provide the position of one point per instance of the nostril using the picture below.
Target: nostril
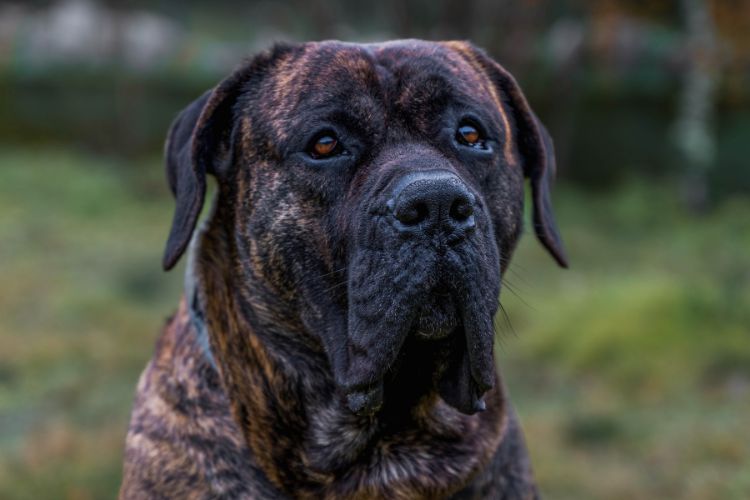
(432, 203)
(412, 214)
(461, 209)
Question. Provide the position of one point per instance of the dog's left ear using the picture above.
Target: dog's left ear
(198, 143)
(534, 145)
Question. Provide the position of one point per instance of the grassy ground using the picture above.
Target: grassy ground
(631, 372)
(81, 302)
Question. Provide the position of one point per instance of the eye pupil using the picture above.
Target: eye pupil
(324, 146)
(468, 134)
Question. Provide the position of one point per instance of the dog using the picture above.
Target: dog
(335, 339)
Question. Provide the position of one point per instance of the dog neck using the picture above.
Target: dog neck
(284, 400)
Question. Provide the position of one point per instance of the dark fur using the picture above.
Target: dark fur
(297, 365)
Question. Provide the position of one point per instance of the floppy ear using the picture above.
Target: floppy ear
(537, 154)
(541, 181)
(199, 142)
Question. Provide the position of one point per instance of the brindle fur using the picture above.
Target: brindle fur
(290, 250)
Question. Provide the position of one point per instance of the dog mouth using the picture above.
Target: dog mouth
(446, 332)
(447, 370)
(439, 322)
(433, 278)
(437, 318)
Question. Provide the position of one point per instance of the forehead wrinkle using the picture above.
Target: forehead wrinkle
(346, 82)
(455, 58)
(284, 92)
(331, 61)
(361, 67)
(470, 56)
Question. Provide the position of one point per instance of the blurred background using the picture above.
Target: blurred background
(630, 371)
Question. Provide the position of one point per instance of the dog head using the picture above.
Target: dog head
(373, 194)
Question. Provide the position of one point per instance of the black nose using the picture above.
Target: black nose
(424, 202)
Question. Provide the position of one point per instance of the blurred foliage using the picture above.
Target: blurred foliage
(109, 76)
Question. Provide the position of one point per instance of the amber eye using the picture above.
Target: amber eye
(469, 135)
(326, 145)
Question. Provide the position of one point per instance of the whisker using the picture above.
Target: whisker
(517, 274)
(500, 339)
(324, 275)
(519, 266)
(335, 286)
(507, 319)
(512, 289)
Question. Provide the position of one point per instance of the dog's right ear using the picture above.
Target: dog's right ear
(186, 180)
(198, 142)
(534, 144)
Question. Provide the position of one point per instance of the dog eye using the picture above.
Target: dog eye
(469, 135)
(324, 146)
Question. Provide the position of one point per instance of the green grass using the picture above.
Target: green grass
(81, 302)
(631, 371)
